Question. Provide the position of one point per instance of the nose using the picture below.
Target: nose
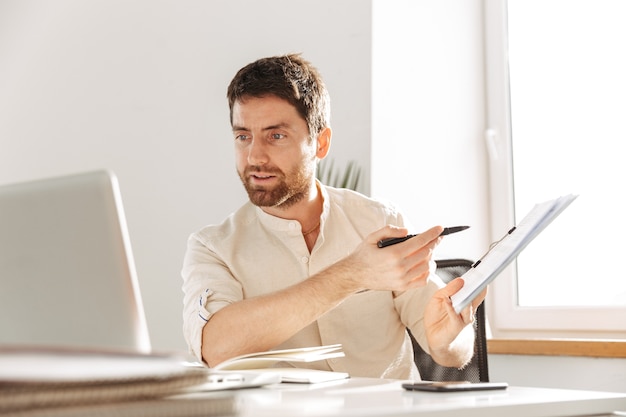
(257, 153)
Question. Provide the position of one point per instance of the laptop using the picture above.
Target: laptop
(67, 274)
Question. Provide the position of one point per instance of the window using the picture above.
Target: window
(556, 105)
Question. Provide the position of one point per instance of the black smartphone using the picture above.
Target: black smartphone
(451, 386)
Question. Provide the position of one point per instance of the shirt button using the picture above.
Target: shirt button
(304, 259)
(292, 226)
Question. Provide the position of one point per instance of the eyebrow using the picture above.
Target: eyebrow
(271, 127)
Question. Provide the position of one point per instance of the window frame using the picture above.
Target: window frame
(506, 318)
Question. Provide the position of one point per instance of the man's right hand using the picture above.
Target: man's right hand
(397, 267)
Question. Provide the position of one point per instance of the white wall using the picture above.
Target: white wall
(428, 112)
(139, 87)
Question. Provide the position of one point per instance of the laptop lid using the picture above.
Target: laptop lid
(67, 274)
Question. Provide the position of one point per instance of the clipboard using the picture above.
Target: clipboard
(505, 250)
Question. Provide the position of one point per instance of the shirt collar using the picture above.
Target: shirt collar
(292, 227)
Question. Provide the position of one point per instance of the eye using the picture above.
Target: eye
(241, 137)
(277, 136)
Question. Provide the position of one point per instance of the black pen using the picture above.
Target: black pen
(393, 240)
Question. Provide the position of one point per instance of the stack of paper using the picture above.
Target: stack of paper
(40, 382)
(506, 250)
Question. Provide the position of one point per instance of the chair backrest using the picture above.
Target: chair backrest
(477, 370)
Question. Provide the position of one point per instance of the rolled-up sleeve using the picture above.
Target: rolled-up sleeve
(411, 306)
(208, 286)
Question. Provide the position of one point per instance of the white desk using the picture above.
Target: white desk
(375, 397)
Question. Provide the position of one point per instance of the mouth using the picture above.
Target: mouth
(261, 176)
(261, 179)
(257, 175)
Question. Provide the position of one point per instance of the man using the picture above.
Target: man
(299, 264)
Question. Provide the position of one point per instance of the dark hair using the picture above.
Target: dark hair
(289, 77)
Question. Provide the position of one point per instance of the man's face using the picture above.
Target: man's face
(274, 154)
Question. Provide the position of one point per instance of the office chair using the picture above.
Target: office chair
(477, 370)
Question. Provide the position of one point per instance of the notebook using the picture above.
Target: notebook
(39, 382)
(67, 275)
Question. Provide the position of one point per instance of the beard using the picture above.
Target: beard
(290, 189)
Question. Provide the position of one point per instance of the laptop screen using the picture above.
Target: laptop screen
(67, 274)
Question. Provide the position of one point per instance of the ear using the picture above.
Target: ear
(323, 142)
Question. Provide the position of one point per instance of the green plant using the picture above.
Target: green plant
(333, 176)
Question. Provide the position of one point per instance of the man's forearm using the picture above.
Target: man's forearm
(261, 323)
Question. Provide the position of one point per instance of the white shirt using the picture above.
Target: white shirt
(253, 253)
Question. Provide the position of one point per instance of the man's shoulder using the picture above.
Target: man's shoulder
(349, 199)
